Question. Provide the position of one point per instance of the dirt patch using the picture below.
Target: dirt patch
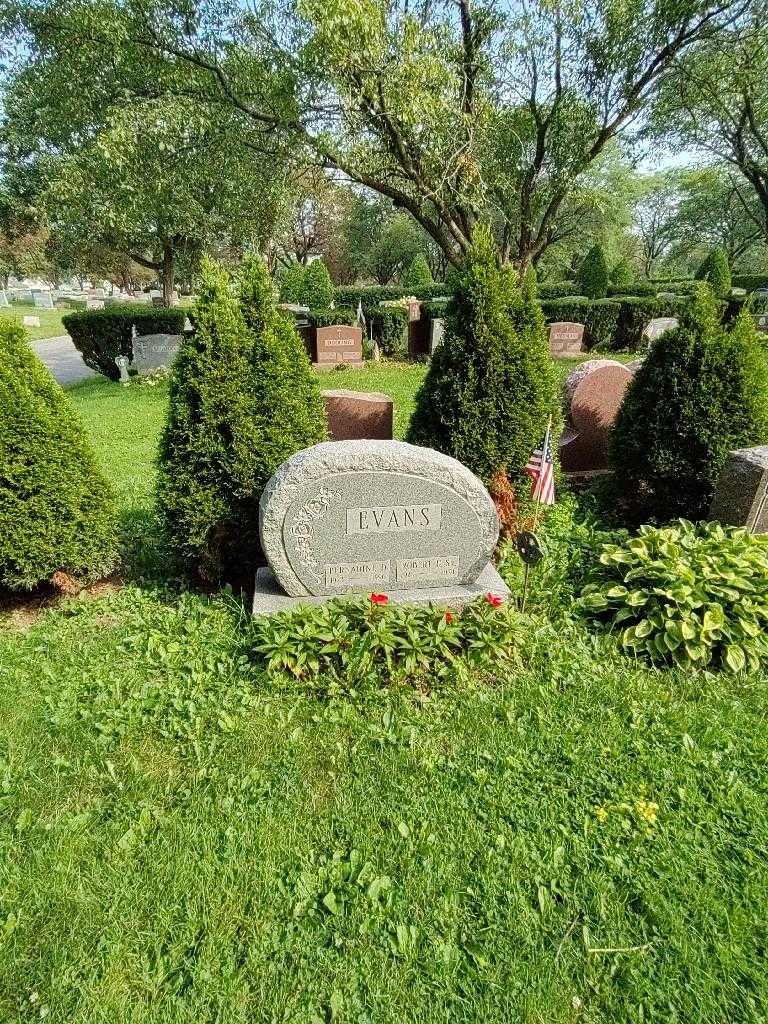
(21, 611)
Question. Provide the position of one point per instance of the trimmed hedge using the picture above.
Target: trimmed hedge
(329, 317)
(372, 295)
(390, 329)
(558, 290)
(751, 282)
(99, 335)
(613, 324)
(593, 276)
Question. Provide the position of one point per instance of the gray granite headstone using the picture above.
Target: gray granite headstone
(43, 300)
(741, 494)
(659, 326)
(3, 299)
(154, 351)
(383, 516)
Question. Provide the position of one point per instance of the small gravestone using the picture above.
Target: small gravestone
(436, 335)
(43, 300)
(761, 322)
(358, 415)
(122, 363)
(3, 299)
(375, 516)
(741, 494)
(338, 344)
(592, 397)
(666, 295)
(31, 321)
(94, 303)
(659, 326)
(566, 339)
(154, 351)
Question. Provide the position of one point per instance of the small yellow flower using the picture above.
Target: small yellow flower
(601, 814)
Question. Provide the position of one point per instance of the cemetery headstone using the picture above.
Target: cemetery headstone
(358, 415)
(31, 321)
(741, 494)
(3, 299)
(565, 339)
(761, 322)
(592, 396)
(43, 300)
(375, 516)
(154, 351)
(436, 335)
(94, 303)
(659, 326)
(122, 363)
(338, 344)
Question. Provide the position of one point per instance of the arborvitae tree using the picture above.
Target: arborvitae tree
(621, 275)
(292, 284)
(716, 270)
(417, 274)
(701, 392)
(318, 287)
(57, 510)
(593, 276)
(491, 386)
(242, 399)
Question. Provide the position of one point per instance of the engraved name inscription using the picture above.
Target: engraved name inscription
(440, 567)
(353, 573)
(394, 518)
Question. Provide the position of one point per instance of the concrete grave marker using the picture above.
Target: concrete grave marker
(358, 415)
(761, 322)
(122, 363)
(659, 326)
(43, 300)
(592, 396)
(3, 299)
(338, 344)
(154, 351)
(31, 321)
(565, 339)
(384, 516)
(741, 494)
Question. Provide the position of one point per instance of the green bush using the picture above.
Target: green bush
(372, 295)
(337, 315)
(751, 282)
(317, 292)
(292, 284)
(717, 272)
(390, 329)
(636, 290)
(491, 385)
(242, 399)
(56, 509)
(350, 645)
(701, 392)
(622, 274)
(418, 275)
(593, 276)
(637, 312)
(558, 290)
(695, 596)
(99, 335)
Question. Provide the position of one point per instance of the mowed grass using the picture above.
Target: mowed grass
(185, 840)
(50, 319)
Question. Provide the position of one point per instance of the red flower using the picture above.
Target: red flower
(494, 600)
(379, 599)
(449, 616)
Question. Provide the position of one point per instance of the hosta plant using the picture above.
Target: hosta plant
(353, 643)
(695, 596)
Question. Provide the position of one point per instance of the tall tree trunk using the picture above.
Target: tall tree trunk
(168, 273)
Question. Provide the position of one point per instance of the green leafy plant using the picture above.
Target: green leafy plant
(56, 509)
(593, 276)
(101, 334)
(701, 392)
(348, 644)
(622, 274)
(491, 385)
(695, 596)
(417, 274)
(716, 271)
(317, 288)
(292, 283)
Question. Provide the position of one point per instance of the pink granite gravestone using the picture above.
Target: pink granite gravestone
(592, 396)
(358, 415)
(565, 339)
(338, 344)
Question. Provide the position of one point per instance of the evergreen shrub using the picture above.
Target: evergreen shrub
(99, 335)
(317, 291)
(491, 385)
(593, 276)
(701, 392)
(716, 271)
(417, 275)
(622, 275)
(57, 510)
(292, 284)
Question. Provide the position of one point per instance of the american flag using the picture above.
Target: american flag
(541, 472)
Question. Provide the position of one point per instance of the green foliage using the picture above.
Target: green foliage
(751, 282)
(390, 329)
(99, 335)
(242, 399)
(622, 274)
(292, 284)
(350, 645)
(329, 317)
(317, 291)
(694, 596)
(701, 392)
(371, 295)
(490, 387)
(558, 290)
(418, 275)
(716, 271)
(56, 509)
(593, 276)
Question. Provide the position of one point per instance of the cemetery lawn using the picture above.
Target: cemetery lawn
(50, 320)
(185, 840)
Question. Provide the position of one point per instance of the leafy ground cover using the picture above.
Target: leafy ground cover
(577, 837)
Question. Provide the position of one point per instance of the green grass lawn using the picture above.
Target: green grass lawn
(50, 320)
(185, 840)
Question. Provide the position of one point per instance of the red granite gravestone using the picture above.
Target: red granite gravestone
(338, 344)
(592, 396)
(565, 339)
(358, 415)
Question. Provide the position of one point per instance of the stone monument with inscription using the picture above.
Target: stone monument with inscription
(154, 351)
(659, 326)
(566, 339)
(348, 517)
(338, 344)
(741, 494)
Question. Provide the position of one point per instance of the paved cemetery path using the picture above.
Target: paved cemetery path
(62, 359)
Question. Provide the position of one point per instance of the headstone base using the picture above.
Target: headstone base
(354, 364)
(269, 597)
